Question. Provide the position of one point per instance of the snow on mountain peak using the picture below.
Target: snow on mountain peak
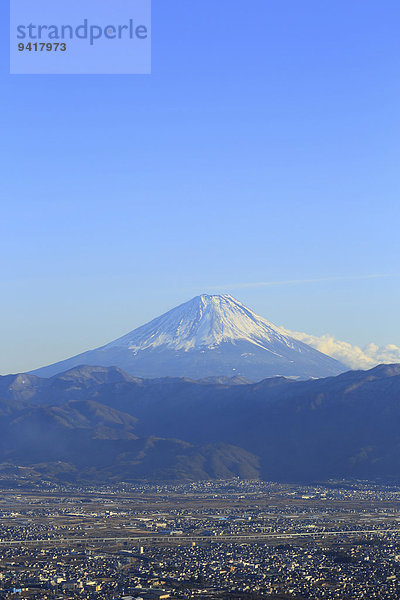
(208, 336)
(206, 321)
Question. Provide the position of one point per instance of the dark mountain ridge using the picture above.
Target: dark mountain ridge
(106, 424)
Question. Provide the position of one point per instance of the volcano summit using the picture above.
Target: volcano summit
(206, 337)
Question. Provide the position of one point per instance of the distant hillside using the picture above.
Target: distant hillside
(99, 423)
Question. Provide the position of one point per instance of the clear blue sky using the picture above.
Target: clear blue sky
(263, 148)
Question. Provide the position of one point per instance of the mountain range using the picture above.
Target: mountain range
(93, 424)
(211, 335)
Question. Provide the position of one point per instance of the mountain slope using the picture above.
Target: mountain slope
(206, 337)
(118, 427)
(86, 441)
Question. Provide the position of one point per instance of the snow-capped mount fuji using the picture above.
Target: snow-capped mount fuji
(204, 323)
(210, 335)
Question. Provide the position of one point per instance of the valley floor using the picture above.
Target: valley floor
(229, 539)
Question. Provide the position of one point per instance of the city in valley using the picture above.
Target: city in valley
(228, 539)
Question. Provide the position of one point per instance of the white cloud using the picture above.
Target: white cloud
(352, 356)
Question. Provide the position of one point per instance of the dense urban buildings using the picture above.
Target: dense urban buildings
(228, 539)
